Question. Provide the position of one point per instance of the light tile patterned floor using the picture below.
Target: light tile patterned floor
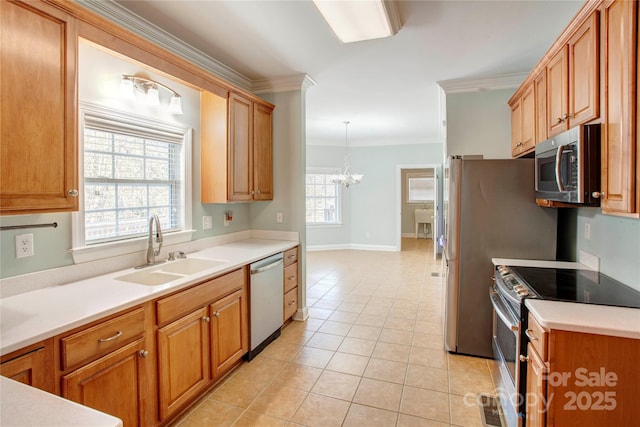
(370, 354)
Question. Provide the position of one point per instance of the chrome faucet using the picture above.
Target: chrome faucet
(151, 252)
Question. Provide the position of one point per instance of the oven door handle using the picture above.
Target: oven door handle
(502, 311)
(559, 167)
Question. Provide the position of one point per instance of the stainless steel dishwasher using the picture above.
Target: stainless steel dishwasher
(266, 302)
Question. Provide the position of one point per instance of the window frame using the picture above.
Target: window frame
(339, 193)
(82, 252)
(418, 175)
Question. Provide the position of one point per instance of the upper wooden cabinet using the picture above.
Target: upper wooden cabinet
(540, 93)
(620, 151)
(523, 123)
(38, 158)
(572, 80)
(236, 149)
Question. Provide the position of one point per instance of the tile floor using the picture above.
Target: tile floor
(370, 354)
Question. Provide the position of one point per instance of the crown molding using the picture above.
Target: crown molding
(496, 82)
(140, 26)
(284, 84)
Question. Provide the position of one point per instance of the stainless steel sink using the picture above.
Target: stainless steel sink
(170, 271)
(189, 266)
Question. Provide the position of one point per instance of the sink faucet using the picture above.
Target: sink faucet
(151, 252)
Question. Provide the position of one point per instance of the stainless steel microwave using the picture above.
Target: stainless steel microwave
(568, 166)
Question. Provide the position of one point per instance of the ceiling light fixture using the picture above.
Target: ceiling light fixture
(345, 178)
(353, 21)
(129, 84)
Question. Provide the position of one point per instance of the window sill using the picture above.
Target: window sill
(111, 249)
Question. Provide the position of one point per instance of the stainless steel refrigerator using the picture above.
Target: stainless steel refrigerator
(491, 214)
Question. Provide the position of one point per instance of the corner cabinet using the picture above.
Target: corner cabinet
(620, 176)
(31, 366)
(523, 123)
(38, 158)
(236, 149)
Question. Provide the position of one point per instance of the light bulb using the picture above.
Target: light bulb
(153, 96)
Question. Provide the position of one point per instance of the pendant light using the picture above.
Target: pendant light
(346, 178)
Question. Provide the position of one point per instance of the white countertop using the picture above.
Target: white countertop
(588, 318)
(539, 263)
(34, 316)
(24, 406)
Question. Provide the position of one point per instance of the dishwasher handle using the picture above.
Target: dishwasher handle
(266, 267)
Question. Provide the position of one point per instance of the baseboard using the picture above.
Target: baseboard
(352, 246)
(302, 314)
(316, 248)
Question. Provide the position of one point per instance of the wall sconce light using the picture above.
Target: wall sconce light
(129, 84)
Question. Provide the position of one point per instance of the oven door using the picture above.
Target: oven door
(506, 327)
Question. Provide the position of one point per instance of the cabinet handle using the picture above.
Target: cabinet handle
(117, 335)
(597, 194)
(216, 314)
(524, 358)
(529, 334)
(206, 319)
(73, 193)
(292, 302)
(291, 277)
(143, 353)
(258, 192)
(292, 256)
(560, 120)
(253, 192)
(567, 117)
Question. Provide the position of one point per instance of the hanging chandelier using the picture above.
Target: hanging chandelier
(345, 178)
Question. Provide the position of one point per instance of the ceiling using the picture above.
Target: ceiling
(387, 87)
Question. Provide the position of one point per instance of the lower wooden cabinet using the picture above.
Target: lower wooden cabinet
(290, 285)
(536, 388)
(112, 384)
(229, 332)
(183, 361)
(31, 366)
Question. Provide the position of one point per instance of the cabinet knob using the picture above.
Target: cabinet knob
(253, 192)
(258, 192)
(597, 194)
(216, 314)
(206, 319)
(292, 302)
(73, 193)
(524, 358)
(143, 353)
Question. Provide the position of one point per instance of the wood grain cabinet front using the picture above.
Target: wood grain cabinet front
(229, 332)
(32, 366)
(38, 158)
(236, 149)
(523, 123)
(290, 285)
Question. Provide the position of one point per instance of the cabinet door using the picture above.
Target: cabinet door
(528, 121)
(228, 332)
(183, 364)
(516, 128)
(619, 145)
(540, 89)
(536, 389)
(38, 157)
(112, 384)
(240, 162)
(262, 152)
(32, 368)
(584, 88)
(557, 93)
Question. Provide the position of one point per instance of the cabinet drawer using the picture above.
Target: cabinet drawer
(538, 337)
(290, 277)
(90, 343)
(184, 302)
(291, 256)
(290, 303)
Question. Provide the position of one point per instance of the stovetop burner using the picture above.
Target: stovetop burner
(583, 286)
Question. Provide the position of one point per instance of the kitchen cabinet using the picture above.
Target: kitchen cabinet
(105, 366)
(32, 366)
(576, 379)
(38, 157)
(540, 93)
(620, 174)
(236, 149)
(572, 79)
(202, 333)
(229, 332)
(523, 123)
(290, 283)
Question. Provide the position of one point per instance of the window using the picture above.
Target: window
(420, 188)
(132, 168)
(322, 199)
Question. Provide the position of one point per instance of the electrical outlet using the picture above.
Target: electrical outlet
(279, 217)
(24, 245)
(207, 222)
(226, 222)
